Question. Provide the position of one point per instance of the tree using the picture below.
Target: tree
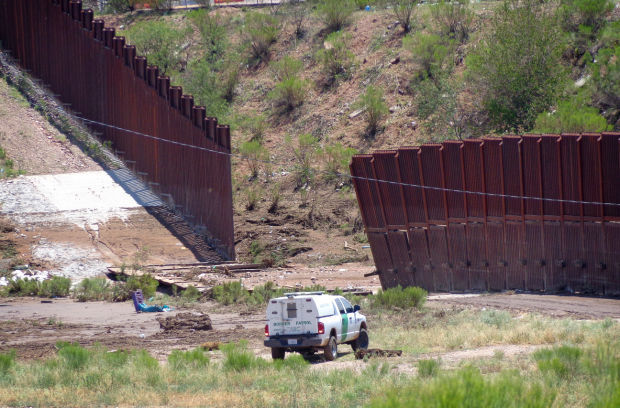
(517, 68)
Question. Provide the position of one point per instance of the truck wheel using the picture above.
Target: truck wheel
(331, 349)
(277, 353)
(361, 343)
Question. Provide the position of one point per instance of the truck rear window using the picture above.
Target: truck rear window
(291, 310)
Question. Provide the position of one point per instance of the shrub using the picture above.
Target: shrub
(7, 361)
(606, 82)
(254, 194)
(92, 289)
(260, 31)
(191, 293)
(73, 356)
(497, 318)
(430, 53)
(274, 198)
(337, 159)
(577, 13)
(563, 361)
(293, 362)
(212, 33)
(254, 153)
(262, 293)
(375, 108)
(517, 68)
(146, 282)
(24, 287)
(255, 125)
(305, 151)
(229, 293)
(336, 58)
(404, 11)
(453, 19)
(428, 368)
(409, 297)
(335, 13)
(202, 81)
(192, 359)
(467, 388)
(571, 118)
(289, 93)
(159, 42)
(57, 286)
(238, 358)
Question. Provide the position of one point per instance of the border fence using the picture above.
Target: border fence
(185, 156)
(535, 212)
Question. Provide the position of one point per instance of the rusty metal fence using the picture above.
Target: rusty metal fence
(536, 212)
(78, 57)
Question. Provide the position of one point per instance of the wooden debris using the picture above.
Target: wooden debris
(211, 345)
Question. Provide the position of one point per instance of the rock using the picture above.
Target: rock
(414, 125)
(395, 60)
(356, 113)
(394, 108)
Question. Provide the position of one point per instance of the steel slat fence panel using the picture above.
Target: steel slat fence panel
(612, 261)
(457, 247)
(571, 169)
(440, 262)
(454, 179)
(477, 257)
(418, 245)
(495, 248)
(535, 266)
(385, 167)
(362, 191)
(399, 250)
(610, 164)
(432, 175)
(594, 246)
(381, 255)
(512, 175)
(409, 165)
(591, 175)
(61, 44)
(532, 179)
(513, 244)
(550, 171)
(573, 249)
(493, 177)
(556, 272)
(474, 178)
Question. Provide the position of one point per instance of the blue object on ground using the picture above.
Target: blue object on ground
(367, 8)
(145, 308)
(141, 306)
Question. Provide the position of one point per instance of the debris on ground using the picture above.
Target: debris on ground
(211, 345)
(360, 354)
(186, 321)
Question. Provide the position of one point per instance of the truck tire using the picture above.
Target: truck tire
(361, 343)
(331, 349)
(277, 353)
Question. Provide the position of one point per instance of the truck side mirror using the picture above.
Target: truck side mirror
(356, 308)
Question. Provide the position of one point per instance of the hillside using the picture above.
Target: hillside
(298, 95)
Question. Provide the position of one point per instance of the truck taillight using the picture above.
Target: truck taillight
(321, 328)
(267, 330)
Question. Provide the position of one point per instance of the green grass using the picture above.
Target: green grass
(407, 298)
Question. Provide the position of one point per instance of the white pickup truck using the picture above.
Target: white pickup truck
(311, 321)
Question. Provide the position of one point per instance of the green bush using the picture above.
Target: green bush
(202, 81)
(571, 118)
(407, 298)
(430, 53)
(606, 82)
(289, 93)
(159, 42)
(260, 31)
(335, 13)
(93, 289)
(517, 68)
(262, 293)
(577, 13)
(467, 388)
(404, 11)
(375, 108)
(57, 286)
(294, 362)
(305, 151)
(229, 293)
(74, 356)
(336, 58)
(337, 159)
(238, 358)
(255, 125)
(24, 287)
(146, 282)
(191, 293)
(7, 361)
(192, 359)
(213, 34)
(361, 4)
(428, 368)
(453, 19)
(563, 361)
(254, 153)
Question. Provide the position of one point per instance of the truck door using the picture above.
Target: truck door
(353, 325)
(344, 331)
